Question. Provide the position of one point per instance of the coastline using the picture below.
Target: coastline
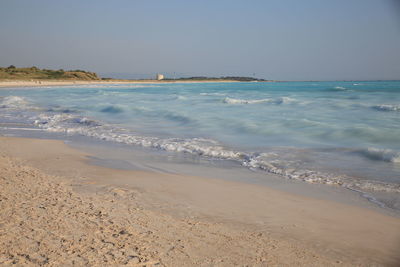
(41, 83)
(175, 219)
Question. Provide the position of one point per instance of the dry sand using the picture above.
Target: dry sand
(58, 210)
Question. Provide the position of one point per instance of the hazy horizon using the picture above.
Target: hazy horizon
(277, 40)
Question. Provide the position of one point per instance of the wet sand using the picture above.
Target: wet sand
(59, 210)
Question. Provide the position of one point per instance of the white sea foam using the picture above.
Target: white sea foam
(67, 123)
(280, 100)
(212, 94)
(72, 124)
(285, 100)
(13, 102)
(340, 88)
(387, 107)
(229, 100)
(310, 176)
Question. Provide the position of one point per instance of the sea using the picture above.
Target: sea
(334, 134)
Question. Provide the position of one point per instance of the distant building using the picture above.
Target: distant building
(159, 77)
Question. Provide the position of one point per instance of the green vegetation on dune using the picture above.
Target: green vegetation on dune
(34, 73)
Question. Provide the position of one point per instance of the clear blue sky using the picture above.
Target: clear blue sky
(276, 39)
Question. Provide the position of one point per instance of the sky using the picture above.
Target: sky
(271, 39)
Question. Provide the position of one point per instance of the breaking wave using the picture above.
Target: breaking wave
(13, 102)
(71, 124)
(340, 89)
(181, 97)
(381, 154)
(229, 100)
(212, 94)
(387, 107)
(281, 100)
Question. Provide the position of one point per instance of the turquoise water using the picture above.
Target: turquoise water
(336, 133)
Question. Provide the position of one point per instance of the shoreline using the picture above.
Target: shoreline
(283, 228)
(40, 83)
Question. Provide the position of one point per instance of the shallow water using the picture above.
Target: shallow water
(336, 133)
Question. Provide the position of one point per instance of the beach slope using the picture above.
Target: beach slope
(58, 210)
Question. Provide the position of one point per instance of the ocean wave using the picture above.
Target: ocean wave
(176, 117)
(281, 100)
(61, 110)
(387, 107)
(65, 123)
(13, 102)
(268, 162)
(311, 176)
(81, 125)
(340, 88)
(212, 94)
(73, 124)
(387, 155)
(112, 109)
(285, 100)
(181, 97)
(229, 100)
(171, 116)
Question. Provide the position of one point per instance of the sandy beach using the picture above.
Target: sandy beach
(200, 133)
(58, 210)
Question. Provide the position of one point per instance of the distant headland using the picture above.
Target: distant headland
(225, 78)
